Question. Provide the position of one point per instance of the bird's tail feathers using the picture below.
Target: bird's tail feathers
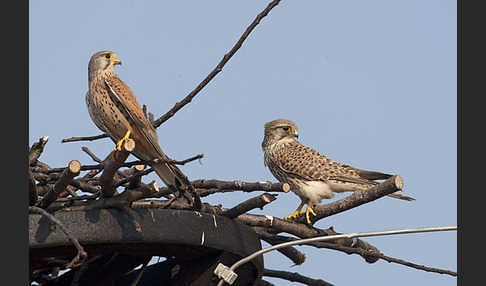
(401, 197)
(172, 176)
(372, 175)
(340, 188)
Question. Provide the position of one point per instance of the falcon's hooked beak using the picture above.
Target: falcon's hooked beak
(115, 60)
(296, 135)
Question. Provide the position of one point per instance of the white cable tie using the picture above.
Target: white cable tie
(223, 272)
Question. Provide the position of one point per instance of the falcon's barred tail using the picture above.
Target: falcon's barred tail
(401, 197)
(173, 176)
(372, 175)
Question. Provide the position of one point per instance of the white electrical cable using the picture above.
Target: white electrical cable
(330, 237)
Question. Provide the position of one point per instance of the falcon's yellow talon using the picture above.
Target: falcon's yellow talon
(292, 215)
(309, 210)
(120, 143)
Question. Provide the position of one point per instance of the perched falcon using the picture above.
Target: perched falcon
(115, 110)
(311, 175)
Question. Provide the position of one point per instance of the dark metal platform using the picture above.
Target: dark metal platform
(187, 236)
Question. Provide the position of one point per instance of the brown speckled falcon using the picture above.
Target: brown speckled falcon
(311, 175)
(114, 109)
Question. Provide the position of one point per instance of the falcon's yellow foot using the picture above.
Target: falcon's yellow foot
(120, 143)
(309, 210)
(297, 212)
(293, 215)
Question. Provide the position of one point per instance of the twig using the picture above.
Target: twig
(86, 138)
(124, 199)
(416, 266)
(91, 154)
(84, 187)
(143, 173)
(66, 177)
(348, 246)
(139, 174)
(295, 277)
(124, 164)
(81, 255)
(36, 150)
(290, 252)
(274, 224)
(218, 68)
(216, 186)
(112, 164)
(253, 203)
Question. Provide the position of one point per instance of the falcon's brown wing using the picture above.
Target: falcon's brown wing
(127, 103)
(308, 163)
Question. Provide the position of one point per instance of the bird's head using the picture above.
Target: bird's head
(102, 62)
(278, 130)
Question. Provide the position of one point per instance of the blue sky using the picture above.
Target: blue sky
(369, 83)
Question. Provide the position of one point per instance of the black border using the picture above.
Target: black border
(471, 193)
(14, 133)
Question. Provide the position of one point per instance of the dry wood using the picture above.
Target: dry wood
(290, 252)
(253, 203)
(36, 150)
(85, 138)
(122, 200)
(64, 180)
(295, 277)
(114, 161)
(216, 186)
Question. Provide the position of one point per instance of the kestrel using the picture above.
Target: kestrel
(311, 175)
(115, 110)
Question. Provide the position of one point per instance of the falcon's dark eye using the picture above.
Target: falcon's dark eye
(107, 56)
(286, 129)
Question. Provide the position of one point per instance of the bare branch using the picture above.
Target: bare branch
(112, 164)
(36, 150)
(64, 180)
(119, 201)
(295, 277)
(290, 252)
(253, 203)
(81, 255)
(416, 266)
(86, 138)
(274, 224)
(216, 186)
(91, 154)
(218, 68)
